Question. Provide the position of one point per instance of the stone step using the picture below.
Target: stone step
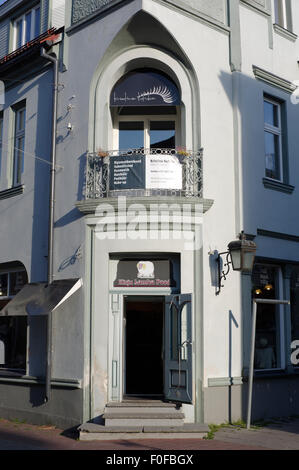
(138, 416)
(140, 421)
(92, 431)
(142, 412)
(141, 403)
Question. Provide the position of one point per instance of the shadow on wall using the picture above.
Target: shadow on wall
(246, 96)
(71, 259)
(261, 207)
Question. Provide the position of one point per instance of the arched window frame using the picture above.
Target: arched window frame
(101, 126)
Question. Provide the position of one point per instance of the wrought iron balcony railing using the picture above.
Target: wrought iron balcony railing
(143, 172)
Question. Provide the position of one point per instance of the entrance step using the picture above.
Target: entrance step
(92, 431)
(141, 403)
(144, 414)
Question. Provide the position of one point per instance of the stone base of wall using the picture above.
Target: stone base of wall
(26, 403)
(272, 397)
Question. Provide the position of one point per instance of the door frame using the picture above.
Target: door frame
(116, 359)
(141, 298)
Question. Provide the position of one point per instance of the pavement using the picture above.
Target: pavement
(279, 434)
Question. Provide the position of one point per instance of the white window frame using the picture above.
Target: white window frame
(8, 272)
(281, 14)
(18, 134)
(275, 130)
(22, 18)
(146, 119)
(280, 323)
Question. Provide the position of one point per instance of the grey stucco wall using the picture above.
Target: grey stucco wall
(68, 331)
(272, 397)
(214, 8)
(24, 218)
(26, 402)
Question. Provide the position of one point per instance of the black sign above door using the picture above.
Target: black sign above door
(145, 88)
(144, 273)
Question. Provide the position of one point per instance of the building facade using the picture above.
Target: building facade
(137, 139)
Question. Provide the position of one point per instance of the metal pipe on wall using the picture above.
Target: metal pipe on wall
(54, 61)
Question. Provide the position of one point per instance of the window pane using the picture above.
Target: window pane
(1, 127)
(21, 115)
(28, 17)
(288, 16)
(162, 134)
(131, 135)
(278, 12)
(19, 160)
(37, 22)
(183, 335)
(13, 339)
(175, 328)
(3, 285)
(17, 281)
(295, 305)
(267, 344)
(1, 137)
(19, 33)
(272, 155)
(271, 113)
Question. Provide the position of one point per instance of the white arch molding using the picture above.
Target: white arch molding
(105, 77)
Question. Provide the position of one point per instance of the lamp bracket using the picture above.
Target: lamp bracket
(226, 268)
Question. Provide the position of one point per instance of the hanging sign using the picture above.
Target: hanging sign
(163, 172)
(145, 172)
(144, 273)
(145, 88)
(127, 172)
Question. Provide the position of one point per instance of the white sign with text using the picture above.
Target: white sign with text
(163, 172)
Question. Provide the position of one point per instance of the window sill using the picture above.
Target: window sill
(284, 32)
(278, 186)
(8, 376)
(273, 374)
(11, 192)
(9, 373)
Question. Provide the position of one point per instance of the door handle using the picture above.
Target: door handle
(188, 341)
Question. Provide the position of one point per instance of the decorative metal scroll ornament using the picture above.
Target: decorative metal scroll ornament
(97, 173)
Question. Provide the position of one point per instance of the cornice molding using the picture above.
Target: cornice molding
(284, 32)
(253, 5)
(89, 206)
(14, 191)
(281, 236)
(273, 80)
(278, 186)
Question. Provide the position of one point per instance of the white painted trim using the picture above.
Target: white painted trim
(146, 119)
(32, 26)
(275, 130)
(77, 286)
(101, 122)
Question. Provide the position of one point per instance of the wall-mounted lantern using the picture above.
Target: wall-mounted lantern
(240, 255)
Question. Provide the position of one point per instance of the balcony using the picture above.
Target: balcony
(143, 173)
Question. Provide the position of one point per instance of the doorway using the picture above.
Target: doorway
(143, 347)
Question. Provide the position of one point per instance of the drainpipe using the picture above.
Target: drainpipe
(54, 60)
